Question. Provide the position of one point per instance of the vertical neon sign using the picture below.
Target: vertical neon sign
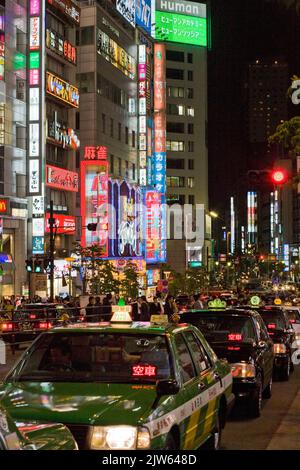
(142, 69)
(94, 202)
(159, 164)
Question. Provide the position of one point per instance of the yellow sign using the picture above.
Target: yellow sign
(159, 319)
(277, 301)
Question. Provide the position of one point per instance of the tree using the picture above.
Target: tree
(288, 134)
(129, 285)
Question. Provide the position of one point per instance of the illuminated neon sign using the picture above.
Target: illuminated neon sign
(4, 206)
(155, 227)
(64, 224)
(62, 90)
(62, 135)
(61, 46)
(68, 8)
(61, 179)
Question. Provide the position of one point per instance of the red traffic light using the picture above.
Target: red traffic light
(279, 176)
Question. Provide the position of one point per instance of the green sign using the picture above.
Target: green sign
(19, 61)
(255, 300)
(34, 60)
(217, 303)
(195, 264)
(172, 27)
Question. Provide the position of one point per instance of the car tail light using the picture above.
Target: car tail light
(233, 348)
(81, 318)
(292, 321)
(32, 316)
(44, 325)
(271, 326)
(7, 326)
(235, 337)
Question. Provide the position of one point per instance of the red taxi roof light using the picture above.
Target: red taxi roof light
(235, 337)
(7, 326)
(140, 370)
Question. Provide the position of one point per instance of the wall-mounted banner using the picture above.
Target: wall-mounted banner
(127, 10)
(34, 139)
(34, 33)
(143, 14)
(94, 203)
(68, 8)
(38, 245)
(62, 135)
(62, 90)
(61, 46)
(155, 235)
(38, 206)
(38, 228)
(61, 179)
(64, 224)
(34, 176)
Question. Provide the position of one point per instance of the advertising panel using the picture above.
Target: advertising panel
(183, 29)
(252, 216)
(143, 14)
(38, 245)
(34, 176)
(62, 90)
(61, 46)
(94, 203)
(34, 33)
(34, 140)
(182, 7)
(127, 10)
(155, 227)
(64, 224)
(4, 206)
(2, 55)
(62, 135)
(68, 8)
(115, 54)
(61, 179)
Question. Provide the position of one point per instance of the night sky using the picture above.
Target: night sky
(242, 31)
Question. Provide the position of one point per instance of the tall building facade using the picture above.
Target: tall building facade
(13, 115)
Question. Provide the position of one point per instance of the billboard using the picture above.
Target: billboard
(64, 224)
(127, 10)
(59, 178)
(159, 157)
(62, 90)
(94, 203)
(155, 228)
(68, 8)
(143, 14)
(181, 22)
(115, 54)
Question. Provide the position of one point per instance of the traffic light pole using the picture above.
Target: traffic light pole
(51, 246)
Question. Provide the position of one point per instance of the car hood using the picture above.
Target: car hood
(234, 351)
(82, 403)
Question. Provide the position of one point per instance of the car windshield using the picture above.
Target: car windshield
(93, 357)
(273, 318)
(293, 315)
(218, 327)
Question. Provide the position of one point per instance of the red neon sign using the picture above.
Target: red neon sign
(61, 179)
(64, 224)
(143, 371)
(95, 153)
(94, 203)
(3, 206)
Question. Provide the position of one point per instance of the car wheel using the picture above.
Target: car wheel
(267, 393)
(214, 442)
(170, 442)
(285, 374)
(256, 402)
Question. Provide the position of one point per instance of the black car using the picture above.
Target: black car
(241, 337)
(283, 336)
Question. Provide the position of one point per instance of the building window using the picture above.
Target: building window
(111, 127)
(103, 123)
(175, 181)
(111, 164)
(176, 199)
(190, 182)
(191, 164)
(175, 56)
(190, 111)
(190, 146)
(175, 145)
(175, 92)
(133, 139)
(86, 35)
(175, 109)
(190, 128)
(190, 93)
(120, 166)
(191, 199)
(190, 58)
(177, 127)
(175, 74)
(190, 75)
(119, 131)
(175, 163)
(126, 169)
(126, 135)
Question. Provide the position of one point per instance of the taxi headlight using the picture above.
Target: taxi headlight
(119, 438)
(243, 370)
(279, 348)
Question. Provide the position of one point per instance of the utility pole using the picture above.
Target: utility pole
(51, 249)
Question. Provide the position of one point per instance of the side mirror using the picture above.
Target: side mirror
(262, 345)
(167, 387)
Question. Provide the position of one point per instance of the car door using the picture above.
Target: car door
(209, 376)
(267, 353)
(193, 389)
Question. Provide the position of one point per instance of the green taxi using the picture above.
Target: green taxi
(123, 385)
(33, 436)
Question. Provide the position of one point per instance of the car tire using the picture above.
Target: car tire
(171, 442)
(285, 374)
(214, 442)
(256, 402)
(267, 393)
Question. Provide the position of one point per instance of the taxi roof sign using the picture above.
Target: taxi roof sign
(159, 319)
(255, 300)
(277, 301)
(121, 314)
(217, 303)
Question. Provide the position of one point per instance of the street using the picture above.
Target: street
(277, 428)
